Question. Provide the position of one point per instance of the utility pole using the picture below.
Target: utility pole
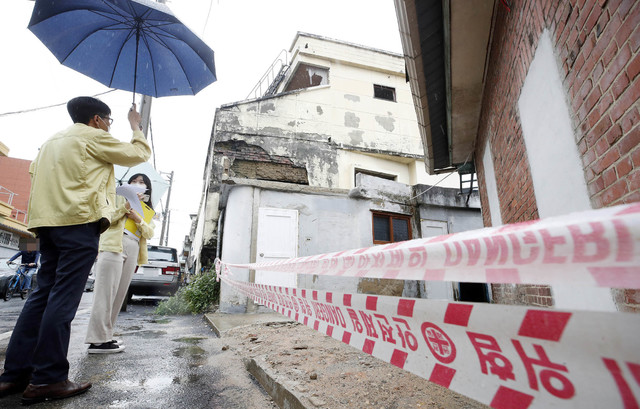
(166, 215)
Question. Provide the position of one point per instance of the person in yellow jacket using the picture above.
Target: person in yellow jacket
(121, 250)
(71, 201)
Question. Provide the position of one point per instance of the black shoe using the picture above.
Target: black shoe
(106, 348)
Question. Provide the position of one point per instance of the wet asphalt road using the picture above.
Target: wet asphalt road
(174, 362)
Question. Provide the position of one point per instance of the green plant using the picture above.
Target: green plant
(195, 298)
(174, 305)
(203, 292)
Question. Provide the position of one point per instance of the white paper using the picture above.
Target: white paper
(130, 192)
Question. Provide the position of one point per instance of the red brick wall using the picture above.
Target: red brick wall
(597, 48)
(14, 175)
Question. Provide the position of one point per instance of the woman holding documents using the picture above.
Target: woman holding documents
(122, 247)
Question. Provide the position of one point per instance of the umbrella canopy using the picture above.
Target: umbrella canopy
(158, 184)
(132, 45)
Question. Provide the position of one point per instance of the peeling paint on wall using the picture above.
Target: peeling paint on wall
(266, 107)
(356, 137)
(353, 98)
(231, 120)
(351, 120)
(386, 123)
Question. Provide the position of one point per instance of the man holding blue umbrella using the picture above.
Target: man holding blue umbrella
(71, 203)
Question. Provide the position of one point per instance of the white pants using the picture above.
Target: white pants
(113, 276)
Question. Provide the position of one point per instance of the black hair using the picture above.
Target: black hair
(82, 109)
(147, 182)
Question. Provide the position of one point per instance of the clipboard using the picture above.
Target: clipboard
(147, 215)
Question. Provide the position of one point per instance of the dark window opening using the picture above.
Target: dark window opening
(390, 228)
(382, 92)
(308, 76)
(473, 292)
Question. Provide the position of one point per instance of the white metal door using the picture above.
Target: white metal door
(277, 239)
(432, 228)
(436, 289)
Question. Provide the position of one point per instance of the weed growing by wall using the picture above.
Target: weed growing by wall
(196, 298)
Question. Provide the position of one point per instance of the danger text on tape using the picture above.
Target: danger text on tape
(504, 356)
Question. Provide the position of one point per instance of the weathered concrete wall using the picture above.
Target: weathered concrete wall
(236, 245)
(330, 221)
(328, 128)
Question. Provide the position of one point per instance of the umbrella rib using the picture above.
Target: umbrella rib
(87, 36)
(153, 66)
(159, 40)
(113, 72)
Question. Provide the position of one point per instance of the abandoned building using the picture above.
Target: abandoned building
(543, 97)
(327, 157)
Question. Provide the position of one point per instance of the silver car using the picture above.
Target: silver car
(160, 276)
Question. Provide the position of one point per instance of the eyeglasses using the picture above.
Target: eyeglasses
(108, 120)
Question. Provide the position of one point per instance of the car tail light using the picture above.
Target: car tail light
(170, 270)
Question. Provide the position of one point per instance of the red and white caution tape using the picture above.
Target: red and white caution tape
(595, 248)
(509, 357)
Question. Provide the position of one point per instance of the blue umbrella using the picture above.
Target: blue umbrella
(132, 45)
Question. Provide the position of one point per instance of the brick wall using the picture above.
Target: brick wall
(597, 49)
(14, 175)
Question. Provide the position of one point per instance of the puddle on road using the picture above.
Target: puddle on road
(148, 334)
(160, 321)
(189, 340)
(185, 380)
(191, 351)
(157, 383)
(154, 384)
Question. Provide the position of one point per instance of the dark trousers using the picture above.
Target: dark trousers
(40, 340)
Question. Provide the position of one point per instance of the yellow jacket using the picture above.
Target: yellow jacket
(111, 240)
(72, 178)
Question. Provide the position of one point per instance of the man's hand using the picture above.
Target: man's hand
(134, 118)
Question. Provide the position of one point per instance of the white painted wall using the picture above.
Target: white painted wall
(236, 245)
(342, 113)
(491, 186)
(556, 169)
(408, 171)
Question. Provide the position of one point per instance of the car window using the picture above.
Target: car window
(162, 254)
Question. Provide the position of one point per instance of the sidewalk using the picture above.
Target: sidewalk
(303, 369)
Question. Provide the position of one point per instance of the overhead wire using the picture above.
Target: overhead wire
(207, 20)
(48, 106)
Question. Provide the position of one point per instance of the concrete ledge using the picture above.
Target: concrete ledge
(281, 393)
(221, 323)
